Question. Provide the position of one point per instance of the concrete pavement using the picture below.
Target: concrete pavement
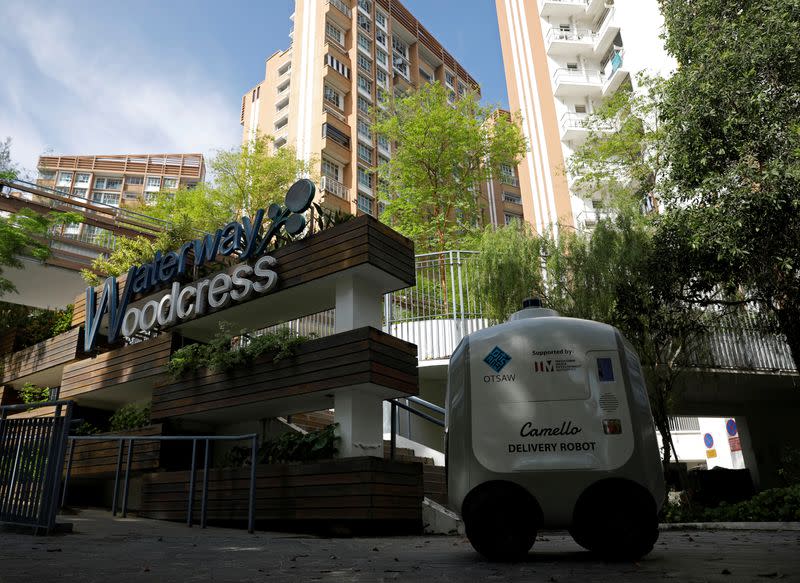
(122, 550)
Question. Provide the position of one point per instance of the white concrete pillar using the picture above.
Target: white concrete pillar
(359, 303)
(360, 418)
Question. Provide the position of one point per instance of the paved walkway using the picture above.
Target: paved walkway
(122, 550)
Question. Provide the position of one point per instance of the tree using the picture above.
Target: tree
(732, 137)
(442, 153)
(25, 234)
(8, 169)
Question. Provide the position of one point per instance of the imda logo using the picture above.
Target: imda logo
(544, 366)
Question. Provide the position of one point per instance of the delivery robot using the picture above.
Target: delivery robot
(548, 425)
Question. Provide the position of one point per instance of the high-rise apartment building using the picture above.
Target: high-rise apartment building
(345, 57)
(115, 181)
(562, 59)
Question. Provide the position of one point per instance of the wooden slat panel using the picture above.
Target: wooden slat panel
(365, 489)
(145, 360)
(94, 458)
(365, 355)
(52, 352)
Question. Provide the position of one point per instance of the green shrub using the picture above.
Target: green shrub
(85, 428)
(223, 353)
(30, 393)
(131, 416)
(775, 505)
(288, 447)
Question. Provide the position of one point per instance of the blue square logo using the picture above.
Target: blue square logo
(497, 359)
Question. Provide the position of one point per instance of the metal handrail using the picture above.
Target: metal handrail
(395, 403)
(194, 439)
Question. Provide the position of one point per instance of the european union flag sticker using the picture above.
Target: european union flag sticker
(605, 370)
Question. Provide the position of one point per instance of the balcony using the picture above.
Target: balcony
(589, 218)
(573, 126)
(579, 41)
(614, 73)
(334, 187)
(577, 83)
(335, 143)
(607, 33)
(509, 179)
(342, 14)
(562, 8)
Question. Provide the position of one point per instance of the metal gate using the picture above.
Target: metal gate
(31, 463)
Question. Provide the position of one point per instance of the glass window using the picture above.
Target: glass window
(383, 143)
(364, 203)
(399, 46)
(365, 5)
(365, 153)
(133, 180)
(334, 33)
(82, 178)
(105, 183)
(333, 96)
(79, 192)
(364, 63)
(382, 57)
(47, 175)
(64, 179)
(170, 183)
(330, 169)
(364, 177)
(365, 84)
(364, 43)
(363, 105)
(511, 218)
(153, 183)
(364, 23)
(381, 38)
(425, 76)
(382, 78)
(449, 78)
(332, 61)
(109, 198)
(364, 129)
(380, 19)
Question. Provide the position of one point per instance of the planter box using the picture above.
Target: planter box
(354, 494)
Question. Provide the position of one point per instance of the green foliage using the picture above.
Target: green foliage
(85, 428)
(776, 505)
(508, 269)
(732, 141)
(32, 325)
(131, 416)
(203, 206)
(25, 233)
(30, 393)
(8, 169)
(288, 447)
(443, 152)
(226, 350)
(789, 465)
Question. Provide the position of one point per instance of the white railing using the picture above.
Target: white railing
(579, 35)
(341, 7)
(586, 76)
(509, 179)
(336, 188)
(574, 120)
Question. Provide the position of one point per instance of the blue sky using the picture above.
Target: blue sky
(116, 76)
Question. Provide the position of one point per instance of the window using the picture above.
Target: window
(364, 43)
(64, 179)
(580, 109)
(382, 57)
(381, 38)
(383, 143)
(512, 218)
(82, 179)
(337, 65)
(333, 96)
(506, 169)
(153, 183)
(363, 105)
(572, 66)
(364, 203)
(399, 46)
(400, 65)
(328, 131)
(364, 23)
(79, 192)
(364, 129)
(365, 5)
(109, 198)
(364, 178)
(365, 153)
(382, 77)
(380, 19)
(334, 33)
(365, 84)
(108, 183)
(364, 63)
(449, 78)
(170, 183)
(461, 89)
(288, 66)
(382, 160)
(330, 169)
(47, 175)
(512, 197)
(134, 180)
(425, 76)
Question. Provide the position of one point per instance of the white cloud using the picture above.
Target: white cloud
(63, 89)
